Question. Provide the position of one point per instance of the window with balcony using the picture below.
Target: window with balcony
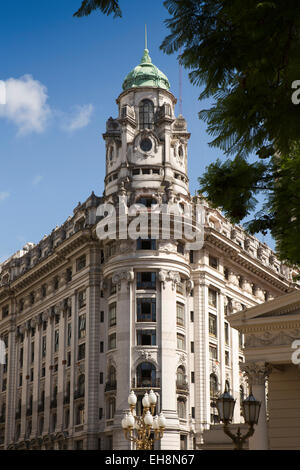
(146, 310)
(146, 375)
(146, 337)
(146, 280)
(110, 408)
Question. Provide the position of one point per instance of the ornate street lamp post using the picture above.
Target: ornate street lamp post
(139, 429)
(251, 408)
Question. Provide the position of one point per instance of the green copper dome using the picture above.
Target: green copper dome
(146, 74)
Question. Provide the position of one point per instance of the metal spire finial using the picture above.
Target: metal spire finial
(146, 39)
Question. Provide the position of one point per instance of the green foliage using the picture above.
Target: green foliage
(245, 56)
(106, 6)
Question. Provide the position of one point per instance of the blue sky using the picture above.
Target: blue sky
(71, 70)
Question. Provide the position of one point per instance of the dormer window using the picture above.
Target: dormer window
(146, 114)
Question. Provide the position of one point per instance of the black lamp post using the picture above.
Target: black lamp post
(251, 408)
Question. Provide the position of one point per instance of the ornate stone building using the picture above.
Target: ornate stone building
(85, 321)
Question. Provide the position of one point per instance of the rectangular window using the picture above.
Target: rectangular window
(212, 298)
(212, 320)
(69, 359)
(192, 347)
(56, 340)
(100, 413)
(213, 352)
(241, 340)
(227, 358)
(81, 326)
(81, 352)
(82, 299)
(192, 377)
(147, 244)
(112, 315)
(101, 346)
(193, 412)
(101, 378)
(192, 316)
(146, 310)
(112, 341)
(69, 334)
(101, 316)
(81, 263)
(180, 341)
(180, 314)
(226, 333)
(5, 312)
(146, 281)
(213, 262)
(44, 346)
(32, 352)
(146, 337)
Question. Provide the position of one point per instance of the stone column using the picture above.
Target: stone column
(11, 385)
(169, 359)
(92, 363)
(122, 357)
(257, 373)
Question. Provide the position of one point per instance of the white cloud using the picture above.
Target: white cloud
(4, 195)
(37, 179)
(78, 119)
(27, 108)
(26, 104)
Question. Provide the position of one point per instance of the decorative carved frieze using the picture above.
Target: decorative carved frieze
(272, 339)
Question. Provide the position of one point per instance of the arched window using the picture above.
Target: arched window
(147, 201)
(146, 375)
(180, 376)
(146, 114)
(181, 408)
(213, 383)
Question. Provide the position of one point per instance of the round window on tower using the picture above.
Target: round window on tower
(146, 145)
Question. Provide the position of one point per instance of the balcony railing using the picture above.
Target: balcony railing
(111, 385)
(143, 383)
(78, 394)
(182, 385)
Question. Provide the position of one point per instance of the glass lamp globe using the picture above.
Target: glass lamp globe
(155, 423)
(251, 409)
(130, 420)
(148, 419)
(162, 421)
(152, 398)
(132, 399)
(124, 422)
(146, 401)
(225, 406)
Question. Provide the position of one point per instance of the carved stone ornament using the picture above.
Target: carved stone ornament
(169, 276)
(144, 354)
(123, 276)
(256, 372)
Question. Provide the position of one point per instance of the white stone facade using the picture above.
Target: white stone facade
(85, 321)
